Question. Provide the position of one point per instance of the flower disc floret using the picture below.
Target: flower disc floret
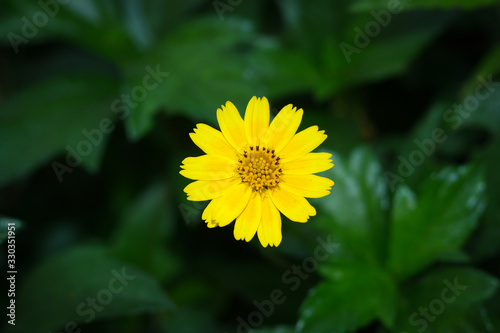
(260, 167)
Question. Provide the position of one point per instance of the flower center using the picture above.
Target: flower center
(260, 167)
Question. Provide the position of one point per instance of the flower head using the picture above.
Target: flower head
(253, 170)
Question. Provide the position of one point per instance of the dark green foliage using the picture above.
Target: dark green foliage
(96, 102)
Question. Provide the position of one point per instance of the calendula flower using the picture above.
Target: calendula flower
(252, 171)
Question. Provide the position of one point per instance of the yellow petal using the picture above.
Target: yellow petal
(211, 141)
(283, 128)
(232, 126)
(256, 120)
(207, 214)
(308, 164)
(309, 186)
(212, 224)
(269, 231)
(302, 143)
(247, 223)
(208, 167)
(230, 205)
(294, 207)
(202, 190)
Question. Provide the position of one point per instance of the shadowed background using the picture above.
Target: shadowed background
(96, 102)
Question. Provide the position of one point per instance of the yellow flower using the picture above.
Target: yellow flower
(252, 171)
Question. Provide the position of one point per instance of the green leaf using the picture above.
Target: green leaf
(485, 241)
(85, 284)
(284, 70)
(190, 319)
(47, 118)
(412, 167)
(489, 65)
(208, 63)
(436, 222)
(307, 24)
(404, 35)
(96, 26)
(477, 285)
(493, 309)
(141, 237)
(147, 20)
(446, 300)
(365, 5)
(137, 23)
(344, 54)
(486, 114)
(456, 319)
(354, 296)
(484, 88)
(276, 329)
(356, 211)
(93, 25)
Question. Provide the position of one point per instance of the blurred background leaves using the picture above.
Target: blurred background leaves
(96, 103)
